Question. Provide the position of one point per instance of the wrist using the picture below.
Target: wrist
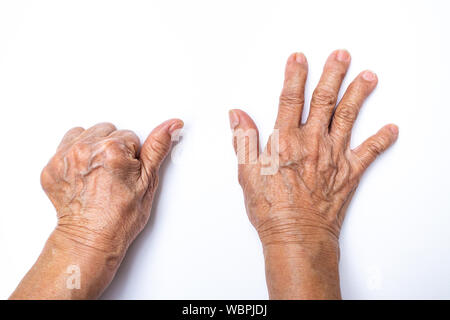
(89, 250)
(302, 247)
(94, 262)
(294, 271)
(301, 258)
(299, 231)
(68, 269)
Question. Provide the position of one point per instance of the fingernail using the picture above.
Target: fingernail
(234, 119)
(291, 58)
(343, 56)
(300, 58)
(175, 126)
(394, 130)
(369, 76)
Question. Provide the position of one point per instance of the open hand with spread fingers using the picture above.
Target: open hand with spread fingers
(298, 208)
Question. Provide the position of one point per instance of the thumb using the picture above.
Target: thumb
(157, 145)
(245, 140)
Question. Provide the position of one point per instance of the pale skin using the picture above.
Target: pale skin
(299, 210)
(101, 183)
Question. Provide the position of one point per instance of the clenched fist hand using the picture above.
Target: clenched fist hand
(102, 184)
(299, 207)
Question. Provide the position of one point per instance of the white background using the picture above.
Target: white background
(137, 63)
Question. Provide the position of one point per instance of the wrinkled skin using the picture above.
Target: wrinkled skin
(302, 205)
(101, 191)
(102, 185)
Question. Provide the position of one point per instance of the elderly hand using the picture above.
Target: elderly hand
(299, 207)
(102, 185)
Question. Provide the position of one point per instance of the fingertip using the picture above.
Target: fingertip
(175, 125)
(169, 126)
(295, 60)
(104, 125)
(298, 58)
(291, 58)
(340, 55)
(338, 60)
(75, 131)
(234, 118)
(158, 143)
(394, 131)
(369, 76)
(239, 118)
(245, 136)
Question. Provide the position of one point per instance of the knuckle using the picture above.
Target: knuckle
(335, 71)
(106, 125)
(111, 145)
(113, 151)
(79, 147)
(78, 151)
(158, 146)
(384, 141)
(76, 129)
(241, 179)
(347, 113)
(129, 139)
(115, 162)
(73, 131)
(290, 99)
(324, 96)
(52, 172)
(358, 87)
(125, 133)
(375, 147)
(55, 166)
(131, 135)
(244, 177)
(46, 178)
(351, 105)
(132, 140)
